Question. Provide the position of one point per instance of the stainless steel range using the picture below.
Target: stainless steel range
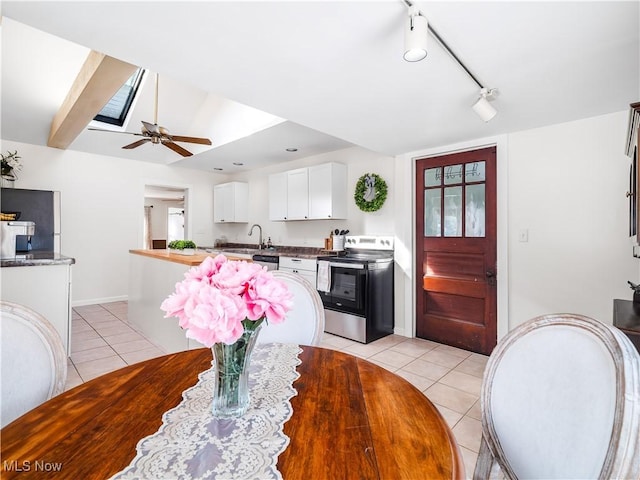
(357, 289)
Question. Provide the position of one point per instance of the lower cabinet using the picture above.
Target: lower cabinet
(305, 267)
(46, 289)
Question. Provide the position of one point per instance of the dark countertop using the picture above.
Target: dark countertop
(37, 259)
(279, 251)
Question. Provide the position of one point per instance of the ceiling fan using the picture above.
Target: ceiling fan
(156, 134)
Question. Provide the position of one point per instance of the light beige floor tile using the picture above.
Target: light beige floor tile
(105, 322)
(364, 351)
(84, 335)
(87, 344)
(412, 349)
(389, 341)
(95, 368)
(442, 358)
(475, 411)
(386, 366)
(463, 381)
(451, 417)
(123, 338)
(134, 346)
(469, 458)
(118, 329)
(329, 346)
(73, 378)
(426, 369)
(88, 309)
(80, 326)
(450, 397)
(337, 341)
(458, 352)
(468, 432)
(476, 357)
(471, 367)
(92, 354)
(421, 383)
(141, 355)
(393, 358)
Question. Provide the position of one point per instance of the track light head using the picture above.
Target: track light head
(482, 107)
(415, 36)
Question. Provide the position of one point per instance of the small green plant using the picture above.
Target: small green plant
(181, 244)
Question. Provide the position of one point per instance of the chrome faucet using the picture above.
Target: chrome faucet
(260, 239)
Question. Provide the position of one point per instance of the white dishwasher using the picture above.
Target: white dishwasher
(305, 267)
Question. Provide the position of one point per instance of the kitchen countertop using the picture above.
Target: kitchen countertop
(279, 251)
(36, 259)
(190, 260)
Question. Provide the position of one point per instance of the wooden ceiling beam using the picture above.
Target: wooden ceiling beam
(99, 79)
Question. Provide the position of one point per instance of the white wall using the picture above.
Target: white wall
(102, 210)
(567, 187)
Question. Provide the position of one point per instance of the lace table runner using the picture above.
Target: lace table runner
(192, 444)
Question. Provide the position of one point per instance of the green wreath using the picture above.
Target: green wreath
(371, 192)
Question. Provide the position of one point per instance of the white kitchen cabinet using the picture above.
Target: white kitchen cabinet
(46, 289)
(328, 191)
(314, 193)
(298, 194)
(230, 202)
(278, 196)
(305, 267)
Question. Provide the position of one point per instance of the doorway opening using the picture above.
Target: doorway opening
(165, 215)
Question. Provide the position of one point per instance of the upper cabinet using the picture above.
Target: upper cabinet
(313, 193)
(328, 191)
(230, 202)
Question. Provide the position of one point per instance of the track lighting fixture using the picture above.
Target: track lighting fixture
(415, 36)
(482, 107)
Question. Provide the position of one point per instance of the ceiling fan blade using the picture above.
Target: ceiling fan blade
(177, 148)
(180, 138)
(114, 131)
(136, 144)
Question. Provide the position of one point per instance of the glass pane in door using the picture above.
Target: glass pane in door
(474, 172)
(453, 211)
(433, 177)
(453, 174)
(475, 211)
(432, 214)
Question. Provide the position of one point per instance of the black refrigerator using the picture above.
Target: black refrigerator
(39, 206)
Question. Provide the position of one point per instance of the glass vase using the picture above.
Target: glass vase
(231, 362)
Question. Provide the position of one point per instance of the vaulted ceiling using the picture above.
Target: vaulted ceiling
(326, 74)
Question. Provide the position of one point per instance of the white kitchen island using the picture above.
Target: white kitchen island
(41, 281)
(153, 275)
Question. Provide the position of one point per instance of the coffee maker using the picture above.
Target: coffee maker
(9, 233)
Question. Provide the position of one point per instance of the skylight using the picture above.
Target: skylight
(116, 110)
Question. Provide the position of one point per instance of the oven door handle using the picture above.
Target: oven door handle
(353, 266)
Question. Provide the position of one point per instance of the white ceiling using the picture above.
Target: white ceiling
(332, 69)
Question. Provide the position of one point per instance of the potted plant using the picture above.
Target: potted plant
(9, 165)
(183, 247)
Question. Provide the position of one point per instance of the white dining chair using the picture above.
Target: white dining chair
(304, 323)
(561, 399)
(34, 361)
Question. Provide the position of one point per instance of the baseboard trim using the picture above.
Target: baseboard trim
(94, 301)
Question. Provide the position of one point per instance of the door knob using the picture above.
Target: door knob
(491, 278)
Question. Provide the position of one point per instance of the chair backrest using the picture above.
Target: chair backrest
(304, 323)
(561, 399)
(34, 361)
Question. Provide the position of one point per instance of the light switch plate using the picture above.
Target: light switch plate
(523, 235)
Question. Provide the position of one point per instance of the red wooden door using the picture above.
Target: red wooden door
(456, 249)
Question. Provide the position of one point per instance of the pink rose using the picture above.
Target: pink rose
(267, 296)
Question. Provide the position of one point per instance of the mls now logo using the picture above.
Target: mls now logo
(28, 466)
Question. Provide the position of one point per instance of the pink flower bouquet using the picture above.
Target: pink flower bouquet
(217, 296)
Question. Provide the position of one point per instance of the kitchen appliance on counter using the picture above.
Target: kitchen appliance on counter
(15, 232)
(356, 288)
(39, 206)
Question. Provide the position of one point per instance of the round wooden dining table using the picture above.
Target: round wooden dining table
(351, 420)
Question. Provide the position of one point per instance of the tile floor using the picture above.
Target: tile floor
(103, 340)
